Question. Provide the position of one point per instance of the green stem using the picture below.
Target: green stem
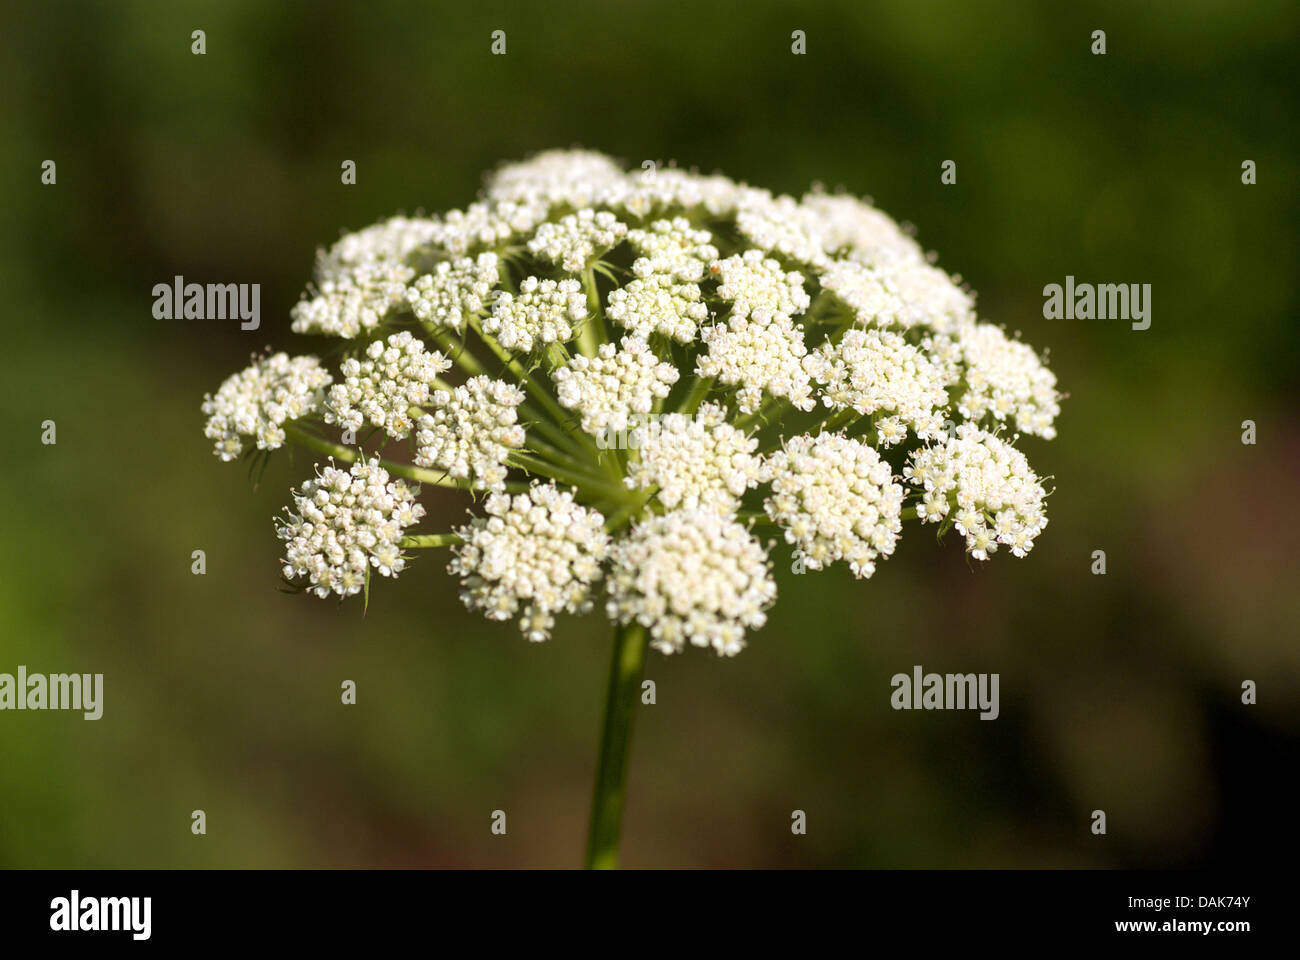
(455, 351)
(592, 334)
(767, 406)
(581, 480)
(839, 419)
(421, 540)
(628, 510)
(419, 474)
(626, 666)
(699, 390)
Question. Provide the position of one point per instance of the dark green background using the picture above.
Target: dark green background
(1118, 692)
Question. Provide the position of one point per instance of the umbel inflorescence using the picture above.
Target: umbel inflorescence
(649, 384)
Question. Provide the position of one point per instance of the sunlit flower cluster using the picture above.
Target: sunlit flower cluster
(836, 500)
(656, 385)
(471, 430)
(607, 389)
(256, 402)
(382, 386)
(984, 486)
(454, 290)
(530, 556)
(691, 577)
(543, 312)
(695, 460)
(345, 523)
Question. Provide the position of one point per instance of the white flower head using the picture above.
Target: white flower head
(659, 303)
(691, 577)
(609, 388)
(836, 500)
(471, 431)
(877, 371)
(256, 402)
(1005, 378)
(852, 226)
(534, 555)
(870, 294)
(695, 461)
(673, 247)
(761, 353)
(354, 302)
(753, 282)
(576, 240)
(380, 387)
(780, 225)
(573, 178)
(390, 242)
(818, 316)
(985, 485)
(454, 290)
(485, 225)
(344, 522)
(544, 312)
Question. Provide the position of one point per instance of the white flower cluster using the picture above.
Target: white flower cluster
(609, 388)
(755, 283)
(986, 485)
(574, 178)
(534, 555)
(471, 431)
(1005, 378)
(391, 241)
(381, 388)
(544, 312)
(695, 461)
(836, 500)
(353, 302)
(875, 371)
(665, 296)
(817, 312)
(659, 303)
(454, 290)
(484, 225)
(575, 240)
(870, 294)
(344, 522)
(673, 246)
(691, 576)
(761, 352)
(257, 401)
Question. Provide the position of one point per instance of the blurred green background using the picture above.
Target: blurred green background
(1118, 692)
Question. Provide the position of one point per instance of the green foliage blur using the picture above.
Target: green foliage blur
(1118, 692)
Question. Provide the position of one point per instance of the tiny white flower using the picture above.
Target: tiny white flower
(533, 555)
(471, 430)
(836, 500)
(545, 311)
(695, 461)
(344, 522)
(380, 388)
(691, 577)
(256, 402)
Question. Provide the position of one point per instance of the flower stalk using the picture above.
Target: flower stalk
(627, 663)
